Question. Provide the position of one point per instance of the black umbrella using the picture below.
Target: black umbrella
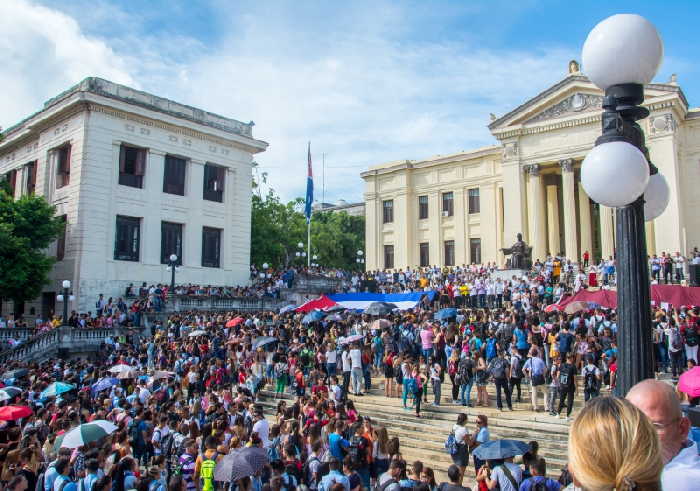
(19, 373)
(232, 468)
(262, 341)
(380, 308)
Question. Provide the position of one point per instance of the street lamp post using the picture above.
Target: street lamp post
(65, 297)
(621, 55)
(172, 263)
(360, 260)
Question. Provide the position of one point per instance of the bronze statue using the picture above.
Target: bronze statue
(520, 254)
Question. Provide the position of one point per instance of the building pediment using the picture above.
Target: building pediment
(572, 99)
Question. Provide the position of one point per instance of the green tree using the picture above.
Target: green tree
(278, 228)
(27, 227)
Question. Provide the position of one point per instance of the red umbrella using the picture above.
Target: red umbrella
(11, 413)
(689, 382)
(234, 322)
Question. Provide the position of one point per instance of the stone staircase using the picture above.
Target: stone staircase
(423, 438)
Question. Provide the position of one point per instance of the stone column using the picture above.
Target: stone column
(569, 205)
(584, 211)
(553, 242)
(537, 212)
(607, 237)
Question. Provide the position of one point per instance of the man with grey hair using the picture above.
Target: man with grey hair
(660, 403)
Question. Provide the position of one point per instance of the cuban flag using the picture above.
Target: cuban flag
(309, 188)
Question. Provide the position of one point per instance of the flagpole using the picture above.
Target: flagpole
(308, 243)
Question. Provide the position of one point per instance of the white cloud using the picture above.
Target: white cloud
(43, 52)
(356, 81)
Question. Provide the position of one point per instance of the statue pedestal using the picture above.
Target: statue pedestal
(507, 274)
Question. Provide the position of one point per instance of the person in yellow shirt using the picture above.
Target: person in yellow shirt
(423, 281)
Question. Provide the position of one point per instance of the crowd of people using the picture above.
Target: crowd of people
(190, 393)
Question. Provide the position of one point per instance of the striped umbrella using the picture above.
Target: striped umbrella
(55, 389)
(88, 433)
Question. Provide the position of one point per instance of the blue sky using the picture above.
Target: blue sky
(366, 82)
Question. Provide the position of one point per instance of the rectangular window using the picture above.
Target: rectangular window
(214, 177)
(127, 239)
(388, 257)
(388, 211)
(174, 175)
(211, 247)
(61, 240)
(475, 251)
(424, 254)
(11, 178)
(30, 177)
(132, 166)
(474, 204)
(170, 242)
(63, 165)
(448, 204)
(449, 253)
(422, 207)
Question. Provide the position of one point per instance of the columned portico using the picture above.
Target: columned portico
(569, 202)
(537, 213)
(607, 235)
(584, 213)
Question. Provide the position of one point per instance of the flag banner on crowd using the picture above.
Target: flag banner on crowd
(320, 303)
(675, 295)
(360, 301)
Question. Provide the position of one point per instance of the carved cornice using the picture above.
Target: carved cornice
(573, 104)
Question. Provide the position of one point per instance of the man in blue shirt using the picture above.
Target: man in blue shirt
(566, 341)
(334, 476)
(535, 368)
(336, 442)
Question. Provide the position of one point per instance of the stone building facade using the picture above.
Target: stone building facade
(462, 208)
(136, 178)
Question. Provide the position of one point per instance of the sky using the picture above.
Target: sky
(365, 82)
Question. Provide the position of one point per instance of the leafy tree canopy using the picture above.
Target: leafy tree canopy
(27, 227)
(277, 229)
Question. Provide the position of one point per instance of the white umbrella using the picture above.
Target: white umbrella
(87, 433)
(121, 368)
(198, 332)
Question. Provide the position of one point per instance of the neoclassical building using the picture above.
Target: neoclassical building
(462, 208)
(136, 178)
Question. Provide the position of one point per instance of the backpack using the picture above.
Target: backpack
(540, 485)
(166, 444)
(134, 432)
(466, 367)
(358, 450)
(498, 368)
(676, 341)
(691, 336)
(589, 379)
(491, 349)
(272, 451)
(518, 370)
(451, 444)
(206, 473)
(411, 385)
(307, 476)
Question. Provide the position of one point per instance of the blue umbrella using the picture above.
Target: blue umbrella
(444, 314)
(500, 449)
(287, 308)
(104, 384)
(262, 341)
(55, 389)
(314, 316)
(334, 317)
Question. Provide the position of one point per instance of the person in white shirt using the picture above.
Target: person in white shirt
(262, 428)
(356, 370)
(659, 402)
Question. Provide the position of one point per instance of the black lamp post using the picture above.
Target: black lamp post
(172, 264)
(621, 55)
(65, 297)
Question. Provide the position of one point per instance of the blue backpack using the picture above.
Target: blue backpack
(451, 444)
(411, 385)
(491, 349)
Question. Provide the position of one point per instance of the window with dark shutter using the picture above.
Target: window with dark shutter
(388, 257)
(449, 253)
(475, 251)
(474, 204)
(63, 161)
(388, 210)
(132, 166)
(30, 177)
(170, 241)
(424, 254)
(211, 247)
(422, 207)
(174, 175)
(127, 238)
(214, 178)
(448, 204)
(61, 240)
(11, 178)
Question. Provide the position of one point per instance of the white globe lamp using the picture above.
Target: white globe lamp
(66, 284)
(656, 197)
(622, 49)
(615, 174)
(300, 245)
(265, 266)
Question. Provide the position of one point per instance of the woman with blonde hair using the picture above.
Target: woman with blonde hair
(613, 446)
